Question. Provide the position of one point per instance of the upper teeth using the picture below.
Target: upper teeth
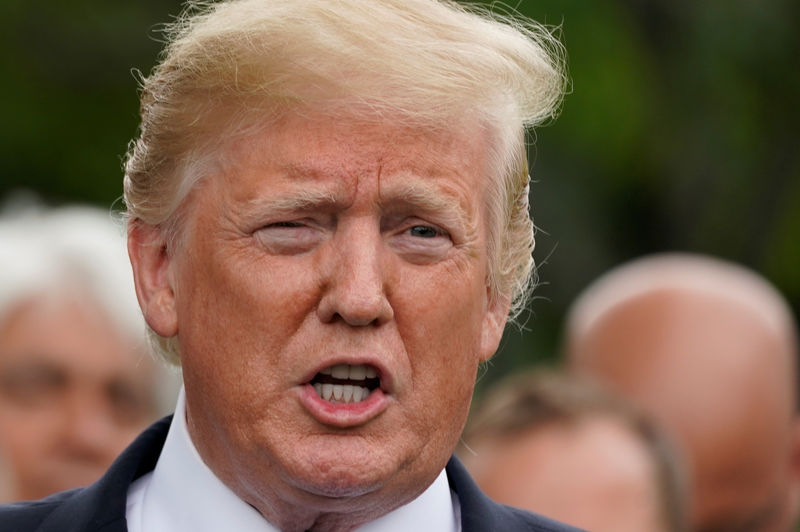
(346, 371)
(346, 393)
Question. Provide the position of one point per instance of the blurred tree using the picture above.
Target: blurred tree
(69, 99)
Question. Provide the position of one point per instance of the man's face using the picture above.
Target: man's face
(595, 473)
(71, 398)
(335, 258)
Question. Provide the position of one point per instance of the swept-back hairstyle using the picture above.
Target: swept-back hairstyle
(232, 67)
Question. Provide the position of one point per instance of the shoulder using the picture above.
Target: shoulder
(29, 515)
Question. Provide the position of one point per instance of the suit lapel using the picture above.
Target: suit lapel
(476, 509)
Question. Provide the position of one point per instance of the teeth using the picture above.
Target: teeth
(327, 391)
(359, 393)
(346, 371)
(343, 393)
(358, 373)
(340, 371)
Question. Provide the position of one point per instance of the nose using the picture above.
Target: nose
(88, 433)
(356, 281)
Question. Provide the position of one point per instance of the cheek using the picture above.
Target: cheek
(441, 329)
(445, 312)
(25, 435)
(243, 299)
(235, 324)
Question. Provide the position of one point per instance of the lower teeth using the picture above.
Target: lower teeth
(342, 393)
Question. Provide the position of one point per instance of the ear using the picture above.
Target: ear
(494, 323)
(147, 250)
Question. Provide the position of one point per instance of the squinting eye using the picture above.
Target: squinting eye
(287, 224)
(289, 237)
(423, 231)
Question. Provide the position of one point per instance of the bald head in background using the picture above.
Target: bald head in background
(709, 349)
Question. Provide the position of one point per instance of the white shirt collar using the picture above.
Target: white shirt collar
(183, 495)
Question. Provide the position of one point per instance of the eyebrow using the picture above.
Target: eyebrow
(414, 193)
(428, 198)
(291, 202)
(302, 200)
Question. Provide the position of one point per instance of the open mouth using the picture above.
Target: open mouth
(344, 383)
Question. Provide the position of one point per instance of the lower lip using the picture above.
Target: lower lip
(343, 415)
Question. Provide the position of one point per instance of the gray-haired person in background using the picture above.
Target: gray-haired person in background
(76, 381)
(329, 228)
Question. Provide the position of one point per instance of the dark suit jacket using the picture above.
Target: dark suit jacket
(101, 506)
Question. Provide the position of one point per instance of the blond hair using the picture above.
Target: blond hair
(233, 66)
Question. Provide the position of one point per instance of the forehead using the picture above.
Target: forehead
(305, 148)
(80, 338)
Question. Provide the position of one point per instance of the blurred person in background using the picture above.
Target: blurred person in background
(709, 349)
(76, 382)
(565, 448)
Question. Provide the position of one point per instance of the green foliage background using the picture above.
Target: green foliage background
(680, 132)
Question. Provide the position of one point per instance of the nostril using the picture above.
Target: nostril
(355, 305)
(355, 319)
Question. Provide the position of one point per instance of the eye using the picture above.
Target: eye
(424, 231)
(129, 404)
(33, 385)
(286, 224)
(420, 242)
(289, 237)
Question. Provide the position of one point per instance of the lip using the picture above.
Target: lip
(344, 415)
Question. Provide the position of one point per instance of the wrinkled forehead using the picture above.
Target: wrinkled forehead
(318, 138)
(343, 152)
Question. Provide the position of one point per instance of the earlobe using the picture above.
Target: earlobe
(494, 323)
(148, 254)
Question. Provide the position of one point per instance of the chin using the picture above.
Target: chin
(345, 471)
